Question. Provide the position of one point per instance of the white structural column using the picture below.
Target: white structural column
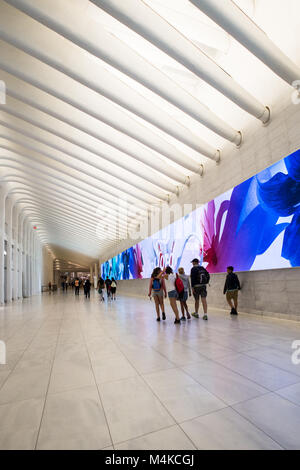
(16, 253)
(39, 265)
(96, 270)
(33, 264)
(96, 275)
(9, 213)
(92, 274)
(21, 256)
(25, 261)
(3, 195)
(30, 254)
(36, 265)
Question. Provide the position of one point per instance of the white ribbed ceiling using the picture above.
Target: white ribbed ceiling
(111, 100)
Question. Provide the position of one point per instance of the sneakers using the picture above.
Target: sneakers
(233, 312)
(205, 317)
(164, 316)
(189, 316)
(158, 319)
(195, 315)
(177, 322)
(183, 319)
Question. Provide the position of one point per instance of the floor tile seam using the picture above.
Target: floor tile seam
(98, 390)
(159, 400)
(48, 385)
(23, 353)
(245, 377)
(272, 365)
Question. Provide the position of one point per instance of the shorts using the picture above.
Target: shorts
(232, 295)
(113, 290)
(185, 296)
(173, 294)
(200, 291)
(159, 293)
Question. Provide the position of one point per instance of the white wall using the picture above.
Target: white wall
(270, 293)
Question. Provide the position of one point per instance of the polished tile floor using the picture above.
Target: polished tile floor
(82, 374)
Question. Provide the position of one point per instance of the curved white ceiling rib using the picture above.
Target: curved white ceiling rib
(64, 193)
(64, 188)
(23, 175)
(136, 191)
(80, 219)
(55, 202)
(230, 17)
(147, 23)
(113, 101)
(46, 78)
(67, 203)
(80, 177)
(109, 161)
(121, 222)
(112, 144)
(43, 44)
(114, 52)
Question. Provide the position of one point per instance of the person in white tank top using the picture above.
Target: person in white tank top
(170, 279)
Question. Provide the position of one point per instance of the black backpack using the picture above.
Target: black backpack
(203, 276)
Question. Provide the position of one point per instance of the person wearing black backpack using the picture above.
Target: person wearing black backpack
(231, 289)
(200, 278)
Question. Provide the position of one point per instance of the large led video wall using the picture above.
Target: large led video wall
(255, 226)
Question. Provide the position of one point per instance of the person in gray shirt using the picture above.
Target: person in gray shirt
(187, 292)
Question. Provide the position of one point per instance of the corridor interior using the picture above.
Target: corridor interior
(82, 374)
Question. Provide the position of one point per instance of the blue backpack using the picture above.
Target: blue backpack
(156, 285)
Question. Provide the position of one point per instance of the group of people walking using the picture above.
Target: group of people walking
(179, 287)
(110, 285)
(86, 287)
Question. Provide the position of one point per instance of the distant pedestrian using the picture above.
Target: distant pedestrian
(187, 292)
(101, 287)
(77, 286)
(113, 289)
(231, 289)
(49, 286)
(87, 289)
(157, 289)
(171, 280)
(200, 278)
(108, 284)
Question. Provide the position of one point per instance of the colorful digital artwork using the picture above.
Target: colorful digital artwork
(255, 226)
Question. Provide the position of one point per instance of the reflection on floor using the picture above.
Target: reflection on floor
(82, 374)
